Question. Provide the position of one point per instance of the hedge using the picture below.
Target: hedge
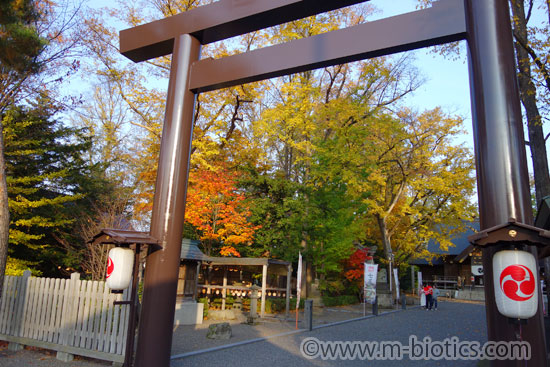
(339, 300)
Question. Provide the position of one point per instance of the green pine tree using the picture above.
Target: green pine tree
(47, 182)
(20, 43)
(20, 46)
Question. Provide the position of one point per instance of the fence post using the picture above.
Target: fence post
(375, 307)
(21, 298)
(69, 316)
(308, 314)
(70, 308)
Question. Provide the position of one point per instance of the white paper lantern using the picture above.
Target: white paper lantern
(515, 277)
(119, 268)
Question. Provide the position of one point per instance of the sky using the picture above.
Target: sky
(447, 81)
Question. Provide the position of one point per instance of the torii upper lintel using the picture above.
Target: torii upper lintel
(444, 22)
(215, 22)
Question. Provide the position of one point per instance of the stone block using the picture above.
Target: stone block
(221, 315)
(188, 313)
(384, 300)
(64, 357)
(382, 276)
(219, 331)
(474, 295)
(15, 347)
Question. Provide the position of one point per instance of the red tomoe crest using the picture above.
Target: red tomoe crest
(517, 282)
(110, 268)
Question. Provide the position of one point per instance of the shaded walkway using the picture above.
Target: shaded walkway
(465, 321)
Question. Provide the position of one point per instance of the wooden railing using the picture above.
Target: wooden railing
(445, 282)
(71, 316)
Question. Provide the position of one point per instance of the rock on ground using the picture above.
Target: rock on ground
(219, 331)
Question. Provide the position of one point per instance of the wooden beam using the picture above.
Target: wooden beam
(224, 289)
(244, 261)
(443, 22)
(288, 280)
(264, 288)
(218, 21)
(196, 291)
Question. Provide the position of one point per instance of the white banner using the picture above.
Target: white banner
(299, 280)
(396, 277)
(369, 283)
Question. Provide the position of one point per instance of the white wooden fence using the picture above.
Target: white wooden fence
(71, 316)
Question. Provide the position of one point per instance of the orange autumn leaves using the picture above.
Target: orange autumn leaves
(217, 211)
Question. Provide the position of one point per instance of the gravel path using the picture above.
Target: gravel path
(466, 321)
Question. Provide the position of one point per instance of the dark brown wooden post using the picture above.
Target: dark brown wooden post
(161, 272)
(503, 180)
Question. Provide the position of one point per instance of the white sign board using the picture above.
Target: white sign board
(369, 283)
(299, 281)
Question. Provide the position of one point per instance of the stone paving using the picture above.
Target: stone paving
(464, 320)
(266, 327)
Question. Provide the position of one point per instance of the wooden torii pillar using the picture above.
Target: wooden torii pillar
(503, 186)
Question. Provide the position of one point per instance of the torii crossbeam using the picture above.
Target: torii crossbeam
(503, 186)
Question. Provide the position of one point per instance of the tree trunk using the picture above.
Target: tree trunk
(537, 143)
(384, 236)
(307, 268)
(4, 213)
(386, 242)
(528, 94)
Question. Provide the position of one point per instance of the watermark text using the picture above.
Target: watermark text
(417, 349)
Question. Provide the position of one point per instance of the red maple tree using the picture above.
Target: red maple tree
(216, 209)
(356, 265)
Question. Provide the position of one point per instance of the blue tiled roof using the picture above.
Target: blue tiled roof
(190, 251)
(460, 244)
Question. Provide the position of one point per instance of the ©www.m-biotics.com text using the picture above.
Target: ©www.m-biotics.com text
(417, 349)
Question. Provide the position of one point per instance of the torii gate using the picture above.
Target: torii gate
(503, 186)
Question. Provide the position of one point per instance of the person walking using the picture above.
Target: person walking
(436, 293)
(428, 292)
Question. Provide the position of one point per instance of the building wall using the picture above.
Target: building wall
(430, 271)
(463, 269)
(187, 279)
(449, 269)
